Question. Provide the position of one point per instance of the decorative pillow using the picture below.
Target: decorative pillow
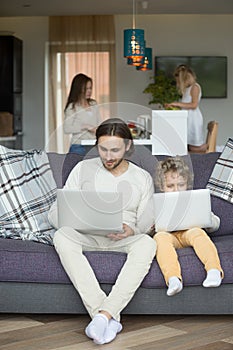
(27, 190)
(221, 180)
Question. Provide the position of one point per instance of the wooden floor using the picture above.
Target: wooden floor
(66, 332)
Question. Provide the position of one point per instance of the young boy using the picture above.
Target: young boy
(173, 174)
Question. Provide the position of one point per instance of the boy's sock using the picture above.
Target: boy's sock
(174, 286)
(97, 327)
(213, 278)
(113, 328)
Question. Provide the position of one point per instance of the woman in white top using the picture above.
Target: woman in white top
(81, 113)
(191, 95)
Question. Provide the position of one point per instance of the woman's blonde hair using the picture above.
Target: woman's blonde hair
(176, 165)
(185, 77)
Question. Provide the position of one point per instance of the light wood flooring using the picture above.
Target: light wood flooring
(66, 332)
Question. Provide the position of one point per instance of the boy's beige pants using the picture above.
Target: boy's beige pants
(167, 243)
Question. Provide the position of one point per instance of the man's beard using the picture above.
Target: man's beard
(114, 166)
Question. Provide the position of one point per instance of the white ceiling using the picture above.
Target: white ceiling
(10, 8)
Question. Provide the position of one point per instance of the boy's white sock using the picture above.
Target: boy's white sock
(174, 286)
(97, 327)
(213, 278)
(113, 328)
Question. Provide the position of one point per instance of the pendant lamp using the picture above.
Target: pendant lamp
(134, 43)
(135, 61)
(146, 62)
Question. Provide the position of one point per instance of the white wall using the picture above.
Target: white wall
(166, 34)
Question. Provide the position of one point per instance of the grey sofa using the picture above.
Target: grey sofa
(32, 279)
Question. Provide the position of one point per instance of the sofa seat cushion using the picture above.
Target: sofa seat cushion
(27, 261)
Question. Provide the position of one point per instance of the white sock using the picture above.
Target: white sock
(174, 286)
(113, 328)
(97, 327)
(213, 278)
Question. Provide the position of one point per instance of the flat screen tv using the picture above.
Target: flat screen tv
(211, 72)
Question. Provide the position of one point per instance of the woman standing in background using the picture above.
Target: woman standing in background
(81, 113)
(191, 95)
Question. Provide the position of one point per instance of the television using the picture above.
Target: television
(211, 72)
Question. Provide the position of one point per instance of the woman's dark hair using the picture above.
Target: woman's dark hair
(115, 127)
(78, 89)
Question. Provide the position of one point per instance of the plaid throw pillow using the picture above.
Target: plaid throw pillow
(27, 190)
(221, 180)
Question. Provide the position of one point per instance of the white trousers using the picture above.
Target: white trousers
(70, 245)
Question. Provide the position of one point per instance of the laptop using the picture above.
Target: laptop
(97, 213)
(175, 211)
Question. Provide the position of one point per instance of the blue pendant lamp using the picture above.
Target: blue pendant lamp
(134, 43)
(146, 62)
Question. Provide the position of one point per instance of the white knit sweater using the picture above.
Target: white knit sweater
(136, 185)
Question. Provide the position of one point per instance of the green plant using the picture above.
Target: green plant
(163, 90)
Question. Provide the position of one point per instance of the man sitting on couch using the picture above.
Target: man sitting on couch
(109, 172)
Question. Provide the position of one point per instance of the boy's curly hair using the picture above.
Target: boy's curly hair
(173, 164)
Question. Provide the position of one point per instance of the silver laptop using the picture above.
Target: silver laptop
(98, 213)
(176, 211)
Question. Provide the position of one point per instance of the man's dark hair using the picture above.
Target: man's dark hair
(115, 127)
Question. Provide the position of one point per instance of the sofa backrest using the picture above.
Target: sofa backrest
(202, 164)
(61, 165)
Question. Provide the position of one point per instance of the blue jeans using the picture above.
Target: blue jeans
(79, 149)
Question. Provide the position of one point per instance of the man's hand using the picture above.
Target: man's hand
(128, 231)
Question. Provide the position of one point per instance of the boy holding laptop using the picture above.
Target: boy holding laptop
(172, 175)
(109, 172)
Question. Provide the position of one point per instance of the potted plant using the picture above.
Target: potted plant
(163, 90)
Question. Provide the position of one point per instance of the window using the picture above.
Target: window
(91, 64)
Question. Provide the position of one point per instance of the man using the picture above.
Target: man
(109, 172)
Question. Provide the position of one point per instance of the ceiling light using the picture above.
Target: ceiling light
(146, 62)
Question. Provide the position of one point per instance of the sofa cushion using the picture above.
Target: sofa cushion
(61, 165)
(220, 182)
(27, 261)
(71, 159)
(27, 190)
(203, 165)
